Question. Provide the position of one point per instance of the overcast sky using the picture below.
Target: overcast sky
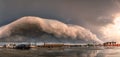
(91, 14)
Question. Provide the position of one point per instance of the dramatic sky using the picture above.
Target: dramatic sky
(95, 15)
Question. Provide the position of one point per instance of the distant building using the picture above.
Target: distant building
(110, 44)
(10, 45)
(46, 45)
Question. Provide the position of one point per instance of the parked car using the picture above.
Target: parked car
(23, 46)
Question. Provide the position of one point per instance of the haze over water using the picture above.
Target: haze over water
(60, 53)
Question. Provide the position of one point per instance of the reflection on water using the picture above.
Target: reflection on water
(60, 53)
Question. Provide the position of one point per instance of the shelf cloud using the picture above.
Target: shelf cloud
(31, 28)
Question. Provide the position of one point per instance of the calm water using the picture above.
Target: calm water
(60, 53)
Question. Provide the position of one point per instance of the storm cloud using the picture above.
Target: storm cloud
(46, 30)
(90, 14)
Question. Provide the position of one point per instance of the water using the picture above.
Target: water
(60, 53)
